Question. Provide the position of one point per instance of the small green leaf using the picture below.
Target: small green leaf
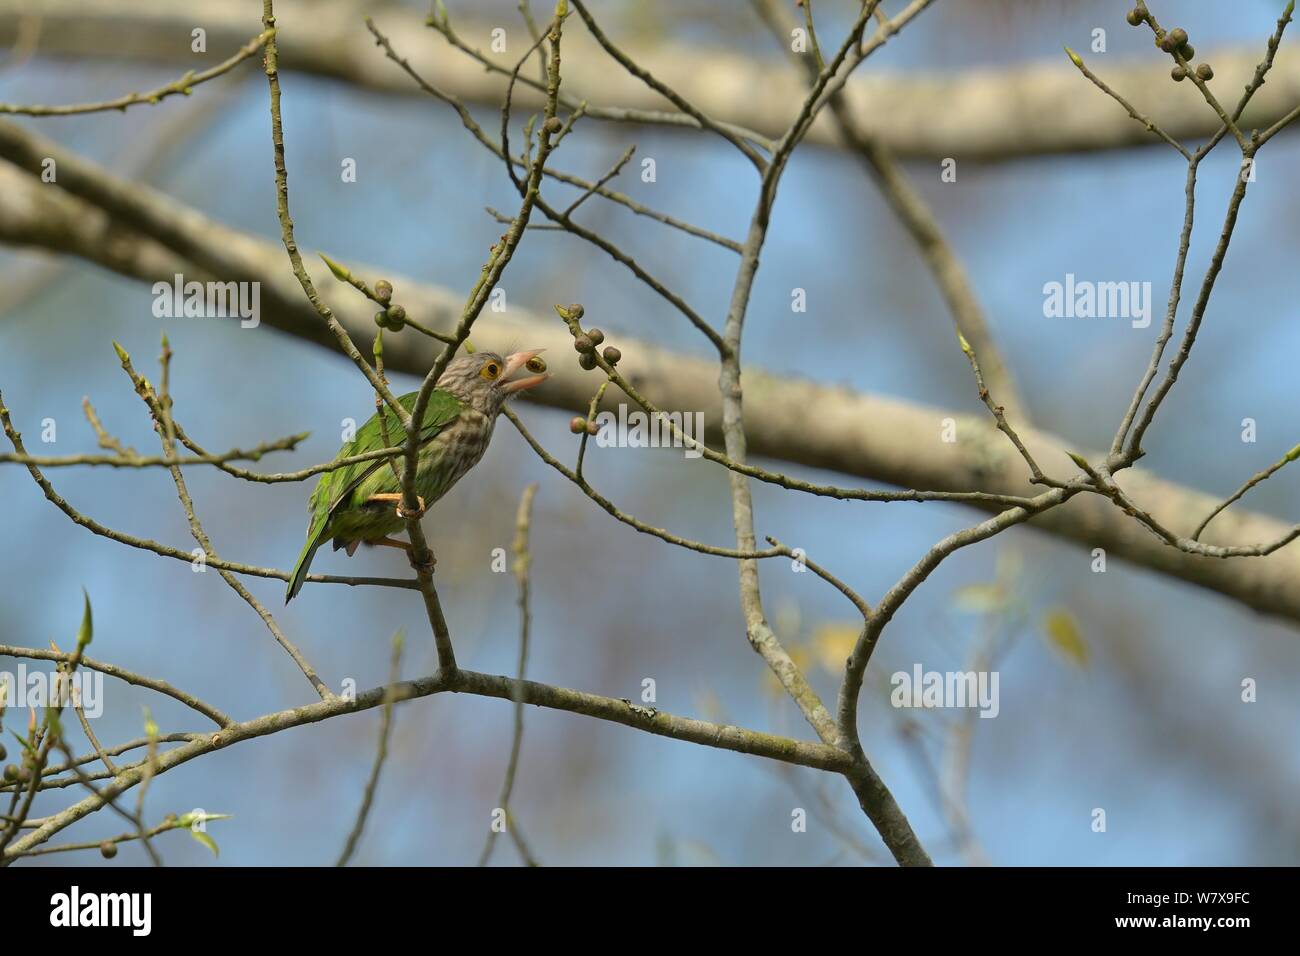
(1063, 633)
(188, 820)
(207, 841)
(25, 744)
(340, 272)
(87, 630)
(150, 728)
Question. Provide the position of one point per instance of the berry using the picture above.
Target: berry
(381, 319)
(383, 291)
(108, 849)
(553, 125)
(1179, 36)
(577, 424)
(612, 355)
(584, 344)
(396, 317)
(587, 360)
(11, 773)
(1179, 73)
(592, 428)
(1205, 72)
(596, 336)
(1135, 17)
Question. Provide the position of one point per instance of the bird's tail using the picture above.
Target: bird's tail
(300, 569)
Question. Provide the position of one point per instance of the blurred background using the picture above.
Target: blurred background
(1130, 701)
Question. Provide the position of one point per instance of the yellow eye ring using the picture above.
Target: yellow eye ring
(490, 371)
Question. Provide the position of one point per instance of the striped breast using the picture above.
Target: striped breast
(458, 448)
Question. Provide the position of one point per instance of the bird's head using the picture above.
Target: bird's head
(484, 380)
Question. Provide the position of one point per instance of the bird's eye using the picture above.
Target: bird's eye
(490, 371)
(535, 364)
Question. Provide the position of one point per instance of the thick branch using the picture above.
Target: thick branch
(989, 113)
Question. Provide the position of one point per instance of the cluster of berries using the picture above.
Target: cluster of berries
(1174, 42)
(393, 317)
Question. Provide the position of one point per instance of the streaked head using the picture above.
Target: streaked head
(485, 379)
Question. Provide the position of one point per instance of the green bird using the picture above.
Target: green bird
(362, 503)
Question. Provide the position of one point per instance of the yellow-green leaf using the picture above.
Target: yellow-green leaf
(1063, 633)
(341, 272)
(189, 819)
(87, 629)
(206, 840)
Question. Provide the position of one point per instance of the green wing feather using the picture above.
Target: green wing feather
(334, 488)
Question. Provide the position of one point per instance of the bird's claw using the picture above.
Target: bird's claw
(407, 515)
(396, 500)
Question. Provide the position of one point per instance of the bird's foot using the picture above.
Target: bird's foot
(417, 514)
(396, 500)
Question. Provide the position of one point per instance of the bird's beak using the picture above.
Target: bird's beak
(514, 363)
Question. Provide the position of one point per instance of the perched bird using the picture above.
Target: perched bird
(362, 503)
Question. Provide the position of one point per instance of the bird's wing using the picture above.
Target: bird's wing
(335, 486)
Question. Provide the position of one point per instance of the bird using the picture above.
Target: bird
(361, 503)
